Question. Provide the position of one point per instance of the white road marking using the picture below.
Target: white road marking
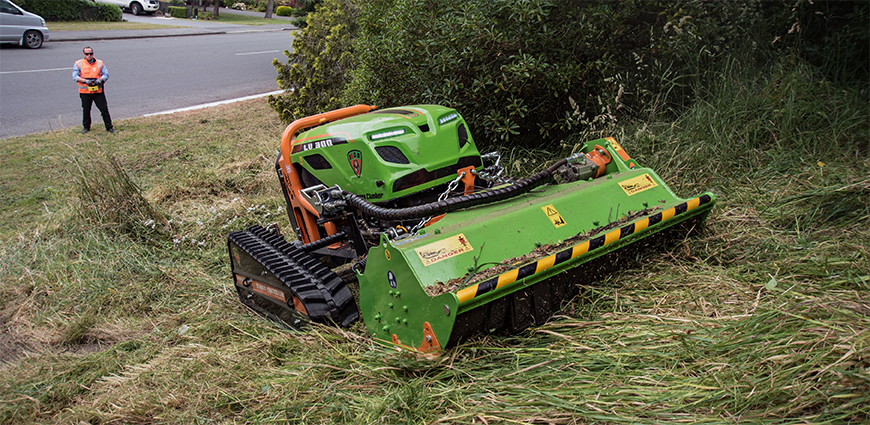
(69, 68)
(257, 53)
(209, 105)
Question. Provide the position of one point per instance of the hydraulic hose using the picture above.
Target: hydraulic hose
(451, 204)
(322, 242)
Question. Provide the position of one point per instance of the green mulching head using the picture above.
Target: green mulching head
(507, 265)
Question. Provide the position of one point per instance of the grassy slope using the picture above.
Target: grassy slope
(112, 313)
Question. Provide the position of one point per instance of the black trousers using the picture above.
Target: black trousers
(100, 100)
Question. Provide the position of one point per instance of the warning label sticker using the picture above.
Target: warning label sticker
(554, 215)
(638, 184)
(443, 249)
(269, 291)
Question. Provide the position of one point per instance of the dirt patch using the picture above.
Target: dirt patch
(19, 340)
(11, 348)
(456, 284)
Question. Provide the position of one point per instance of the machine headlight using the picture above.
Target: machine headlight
(447, 118)
(387, 134)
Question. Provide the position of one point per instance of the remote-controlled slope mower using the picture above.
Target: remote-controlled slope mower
(444, 246)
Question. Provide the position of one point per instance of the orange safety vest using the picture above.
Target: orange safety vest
(89, 70)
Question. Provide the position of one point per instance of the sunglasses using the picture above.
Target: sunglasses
(89, 54)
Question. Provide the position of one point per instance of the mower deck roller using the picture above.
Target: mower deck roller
(442, 245)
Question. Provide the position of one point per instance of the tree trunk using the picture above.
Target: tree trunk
(269, 7)
(217, 9)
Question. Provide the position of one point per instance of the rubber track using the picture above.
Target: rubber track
(324, 294)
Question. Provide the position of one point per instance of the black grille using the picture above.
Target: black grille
(392, 154)
(317, 162)
(463, 135)
(422, 176)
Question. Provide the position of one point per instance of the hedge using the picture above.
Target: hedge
(526, 71)
(284, 11)
(178, 12)
(72, 10)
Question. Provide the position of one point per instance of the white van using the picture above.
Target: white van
(23, 28)
(136, 7)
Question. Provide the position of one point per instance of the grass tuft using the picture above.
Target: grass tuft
(109, 198)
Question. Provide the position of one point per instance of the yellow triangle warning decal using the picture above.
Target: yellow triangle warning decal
(554, 215)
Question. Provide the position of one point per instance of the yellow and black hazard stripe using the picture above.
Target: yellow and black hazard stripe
(473, 291)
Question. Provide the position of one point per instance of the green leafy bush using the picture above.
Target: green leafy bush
(111, 13)
(178, 12)
(72, 10)
(522, 71)
(525, 71)
(316, 71)
(284, 11)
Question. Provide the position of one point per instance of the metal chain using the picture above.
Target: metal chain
(494, 171)
(450, 188)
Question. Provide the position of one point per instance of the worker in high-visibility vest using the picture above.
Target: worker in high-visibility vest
(90, 74)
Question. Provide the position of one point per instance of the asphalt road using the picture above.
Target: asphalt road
(146, 75)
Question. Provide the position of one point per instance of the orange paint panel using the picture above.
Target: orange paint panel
(344, 134)
(618, 148)
(297, 304)
(268, 291)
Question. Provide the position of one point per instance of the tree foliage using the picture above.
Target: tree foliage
(318, 68)
(522, 71)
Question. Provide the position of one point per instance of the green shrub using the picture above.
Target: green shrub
(72, 10)
(284, 11)
(522, 71)
(178, 12)
(300, 21)
(525, 71)
(111, 13)
(316, 71)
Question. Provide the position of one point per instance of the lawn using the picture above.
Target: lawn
(117, 304)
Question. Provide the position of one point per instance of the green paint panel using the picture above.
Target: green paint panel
(479, 237)
(392, 301)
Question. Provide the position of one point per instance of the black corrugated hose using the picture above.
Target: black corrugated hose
(451, 204)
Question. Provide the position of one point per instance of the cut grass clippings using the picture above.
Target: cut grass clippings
(762, 318)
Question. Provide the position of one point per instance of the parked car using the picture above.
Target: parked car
(21, 27)
(136, 7)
